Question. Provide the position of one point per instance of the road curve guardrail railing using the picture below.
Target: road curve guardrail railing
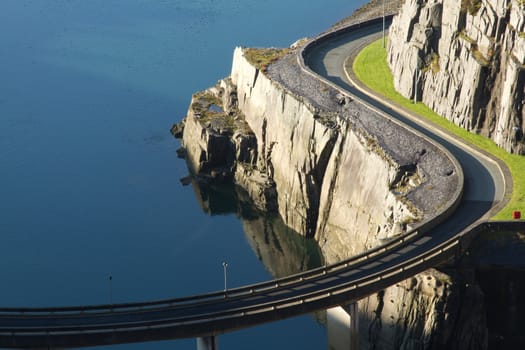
(448, 208)
(219, 312)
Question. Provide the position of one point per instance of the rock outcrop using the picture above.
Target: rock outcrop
(431, 310)
(221, 147)
(344, 175)
(465, 60)
(335, 171)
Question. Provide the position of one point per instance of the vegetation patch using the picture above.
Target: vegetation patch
(203, 100)
(479, 57)
(470, 6)
(433, 64)
(474, 49)
(372, 69)
(262, 58)
(464, 36)
(209, 109)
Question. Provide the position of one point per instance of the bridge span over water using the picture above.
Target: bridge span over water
(318, 289)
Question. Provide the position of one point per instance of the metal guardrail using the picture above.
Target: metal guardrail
(250, 289)
(455, 200)
(440, 253)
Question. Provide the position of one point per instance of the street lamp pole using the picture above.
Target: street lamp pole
(225, 267)
(384, 24)
(110, 289)
(416, 76)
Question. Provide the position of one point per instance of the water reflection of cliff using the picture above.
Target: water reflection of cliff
(282, 250)
(477, 304)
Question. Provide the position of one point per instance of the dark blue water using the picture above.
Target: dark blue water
(89, 179)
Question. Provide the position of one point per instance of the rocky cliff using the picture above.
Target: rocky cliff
(465, 60)
(431, 310)
(332, 169)
(339, 172)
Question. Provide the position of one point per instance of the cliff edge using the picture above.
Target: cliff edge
(336, 171)
(332, 168)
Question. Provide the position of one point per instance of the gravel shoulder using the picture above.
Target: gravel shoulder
(401, 145)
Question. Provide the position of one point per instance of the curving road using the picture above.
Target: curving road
(484, 181)
(318, 289)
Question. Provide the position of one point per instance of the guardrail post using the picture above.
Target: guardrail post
(207, 343)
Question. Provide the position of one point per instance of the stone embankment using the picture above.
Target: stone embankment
(465, 59)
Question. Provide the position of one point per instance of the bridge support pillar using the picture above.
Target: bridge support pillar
(207, 343)
(342, 325)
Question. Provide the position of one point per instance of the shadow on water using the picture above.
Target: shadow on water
(282, 250)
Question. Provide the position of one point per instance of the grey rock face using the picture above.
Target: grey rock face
(331, 168)
(220, 146)
(428, 311)
(332, 179)
(465, 60)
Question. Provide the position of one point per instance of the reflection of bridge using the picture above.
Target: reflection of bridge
(215, 313)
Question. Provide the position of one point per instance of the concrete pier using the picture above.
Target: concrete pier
(342, 325)
(207, 343)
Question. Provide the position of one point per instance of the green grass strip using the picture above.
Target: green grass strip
(371, 67)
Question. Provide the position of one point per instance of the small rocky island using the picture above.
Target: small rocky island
(346, 176)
